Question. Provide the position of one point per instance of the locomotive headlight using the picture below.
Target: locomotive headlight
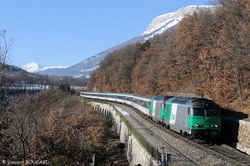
(214, 126)
(199, 125)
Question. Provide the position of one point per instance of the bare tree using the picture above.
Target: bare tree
(5, 46)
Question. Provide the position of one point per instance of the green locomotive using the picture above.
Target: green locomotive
(192, 117)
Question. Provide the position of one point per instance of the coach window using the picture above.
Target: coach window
(119, 97)
(143, 103)
(128, 98)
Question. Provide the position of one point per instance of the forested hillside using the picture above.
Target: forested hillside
(208, 55)
(54, 127)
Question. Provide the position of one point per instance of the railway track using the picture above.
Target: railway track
(195, 153)
(167, 145)
(230, 154)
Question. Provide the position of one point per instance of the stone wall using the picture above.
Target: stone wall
(236, 133)
(136, 153)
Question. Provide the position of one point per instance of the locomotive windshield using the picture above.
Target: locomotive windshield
(199, 112)
(206, 112)
(213, 112)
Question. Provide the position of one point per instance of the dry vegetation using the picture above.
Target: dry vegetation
(56, 127)
(208, 55)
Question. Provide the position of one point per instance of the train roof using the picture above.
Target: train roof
(109, 93)
(121, 94)
(127, 95)
(160, 98)
(195, 102)
(181, 100)
(142, 97)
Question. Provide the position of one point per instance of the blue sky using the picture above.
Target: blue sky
(66, 32)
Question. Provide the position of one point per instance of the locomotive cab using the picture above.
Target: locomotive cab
(192, 117)
(204, 118)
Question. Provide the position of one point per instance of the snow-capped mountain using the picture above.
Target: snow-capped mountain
(166, 21)
(158, 26)
(32, 67)
(35, 67)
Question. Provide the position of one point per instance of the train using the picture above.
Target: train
(188, 116)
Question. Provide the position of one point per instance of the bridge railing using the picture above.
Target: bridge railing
(37, 87)
(30, 87)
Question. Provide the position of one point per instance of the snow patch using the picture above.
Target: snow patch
(90, 69)
(54, 67)
(35, 67)
(32, 67)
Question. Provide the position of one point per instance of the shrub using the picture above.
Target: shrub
(64, 87)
